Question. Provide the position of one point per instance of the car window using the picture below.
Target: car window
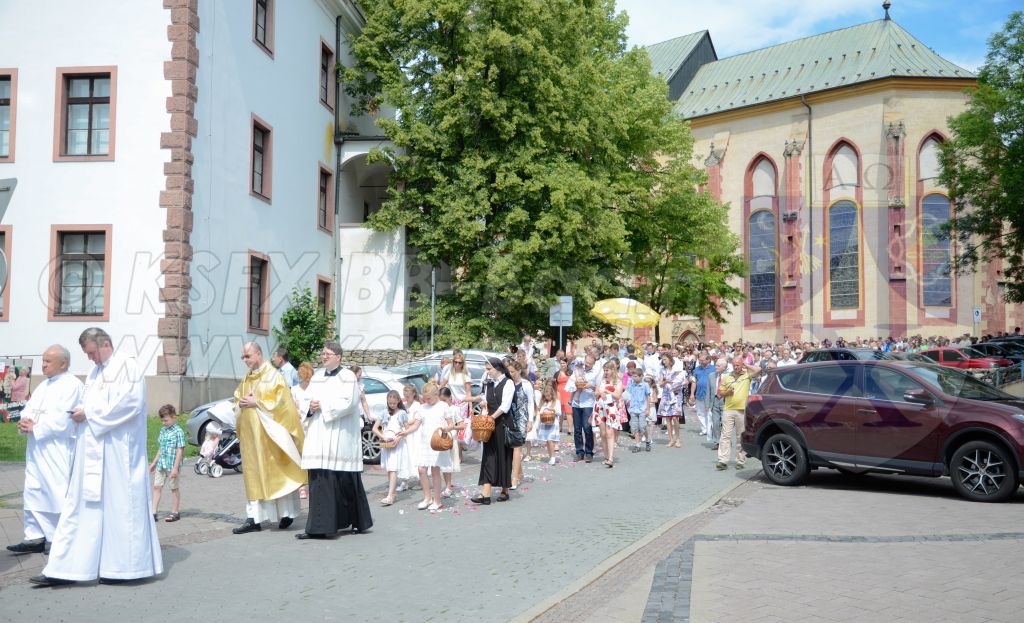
(833, 380)
(794, 379)
(952, 355)
(972, 353)
(958, 383)
(373, 386)
(845, 356)
(932, 355)
(886, 384)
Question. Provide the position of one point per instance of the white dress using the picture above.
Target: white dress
(432, 417)
(548, 432)
(455, 415)
(397, 459)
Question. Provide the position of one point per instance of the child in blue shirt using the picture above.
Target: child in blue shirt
(637, 396)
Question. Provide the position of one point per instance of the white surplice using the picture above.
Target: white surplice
(51, 446)
(334, 433)
(106, 528)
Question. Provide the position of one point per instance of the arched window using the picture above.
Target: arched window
(845, 172)
(763, 179)
(843, 256)
(761, 243)
(929, 160)
(936, 280)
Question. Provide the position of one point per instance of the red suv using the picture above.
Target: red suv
(895, 417)
(965, 357)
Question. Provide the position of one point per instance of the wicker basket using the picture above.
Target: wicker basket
(482, 427)
(389, 444)
(547, 417)
(440, 441)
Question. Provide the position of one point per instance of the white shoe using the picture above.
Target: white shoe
(386, 502)
(434, 507)
(402, 486)
(423, 505)
(552, 461)
(447, 493)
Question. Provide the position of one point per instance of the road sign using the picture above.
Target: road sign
(977, 314)
(560, 314)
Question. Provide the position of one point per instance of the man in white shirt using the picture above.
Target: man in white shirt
(46, 419)
(652, 360)
(787, 358)
(108, 492)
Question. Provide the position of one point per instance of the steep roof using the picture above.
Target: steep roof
(863, 53)
(668, 56)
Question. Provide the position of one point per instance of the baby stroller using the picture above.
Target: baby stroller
(221, 448)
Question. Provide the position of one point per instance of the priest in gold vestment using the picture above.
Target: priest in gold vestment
(271, 438)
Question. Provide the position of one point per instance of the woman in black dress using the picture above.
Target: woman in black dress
(496, 462)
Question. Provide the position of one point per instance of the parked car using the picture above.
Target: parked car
(431, 365)
(844, 354)
(376, 383)
(911, 357)
(964, 357)
(893, 417)
(1002, 350)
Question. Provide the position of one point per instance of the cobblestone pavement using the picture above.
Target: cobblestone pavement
(864, 549)
(562, 529)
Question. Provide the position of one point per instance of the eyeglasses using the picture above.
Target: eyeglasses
(329, 353)
(458, 361)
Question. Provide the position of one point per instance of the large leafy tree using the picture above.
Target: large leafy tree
(682, 254)
(983, 162)
(528, 143)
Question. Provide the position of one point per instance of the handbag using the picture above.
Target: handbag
(514, 438)
(440, 441)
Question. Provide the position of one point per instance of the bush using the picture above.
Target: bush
(304, 327)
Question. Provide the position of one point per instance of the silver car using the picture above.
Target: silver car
(376, 383)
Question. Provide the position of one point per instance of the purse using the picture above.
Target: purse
(482, 427)
(514, 438)
(440, 441)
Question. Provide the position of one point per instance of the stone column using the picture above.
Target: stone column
(895, 136)
(792, 243)
(713, 166)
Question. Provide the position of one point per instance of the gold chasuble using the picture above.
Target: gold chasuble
(269, 469)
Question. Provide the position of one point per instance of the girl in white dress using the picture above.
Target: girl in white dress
(549, 433)
(395, 461)
(411, 401)
(432, 416)
(459, 423)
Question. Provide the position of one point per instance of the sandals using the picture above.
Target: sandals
(609, 464)
(173, 517)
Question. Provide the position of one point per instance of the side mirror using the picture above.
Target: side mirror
(919, 397)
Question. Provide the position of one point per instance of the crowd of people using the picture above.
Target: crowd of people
(87, 473)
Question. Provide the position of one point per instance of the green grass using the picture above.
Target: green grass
(12, 445)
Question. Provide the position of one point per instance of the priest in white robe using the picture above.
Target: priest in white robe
(46, 419)
(333, 451)
(106, 530)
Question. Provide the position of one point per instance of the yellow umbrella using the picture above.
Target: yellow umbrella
(625, 312)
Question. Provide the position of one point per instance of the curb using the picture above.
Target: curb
(609, 563)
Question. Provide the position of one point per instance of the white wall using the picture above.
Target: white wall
(36, 39)
(372, 307)
(237, 79)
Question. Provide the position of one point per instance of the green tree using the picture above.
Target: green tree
(983, 163)
(304, 327)
(528, 134)
(682, 254)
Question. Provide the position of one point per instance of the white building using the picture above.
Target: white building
(179, 169)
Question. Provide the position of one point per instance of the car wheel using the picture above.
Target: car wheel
(201, 434)
(784, 460)
(371, 446)
(982, 471)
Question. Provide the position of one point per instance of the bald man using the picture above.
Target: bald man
(47, 421)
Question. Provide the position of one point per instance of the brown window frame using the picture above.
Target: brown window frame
(11, 102)
(325, 199)
(266, 151)
(57, 233)
(267, 43)
(60, 112)
(257, 293)
(5, 298)
(324, 84)
(324, 300)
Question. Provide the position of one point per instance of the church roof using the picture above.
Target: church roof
(668, 56)
(858, 54)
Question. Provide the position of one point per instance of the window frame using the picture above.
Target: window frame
(921, 254)
(5, 298)
(60, 121)
(12, 74)
(263, 295)
(775, 259)
(752, 204)
(858, 236)
(328, 303)
(57, 232)
(267, 151)
(329, 102)
(267, 45)
(328, 198)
